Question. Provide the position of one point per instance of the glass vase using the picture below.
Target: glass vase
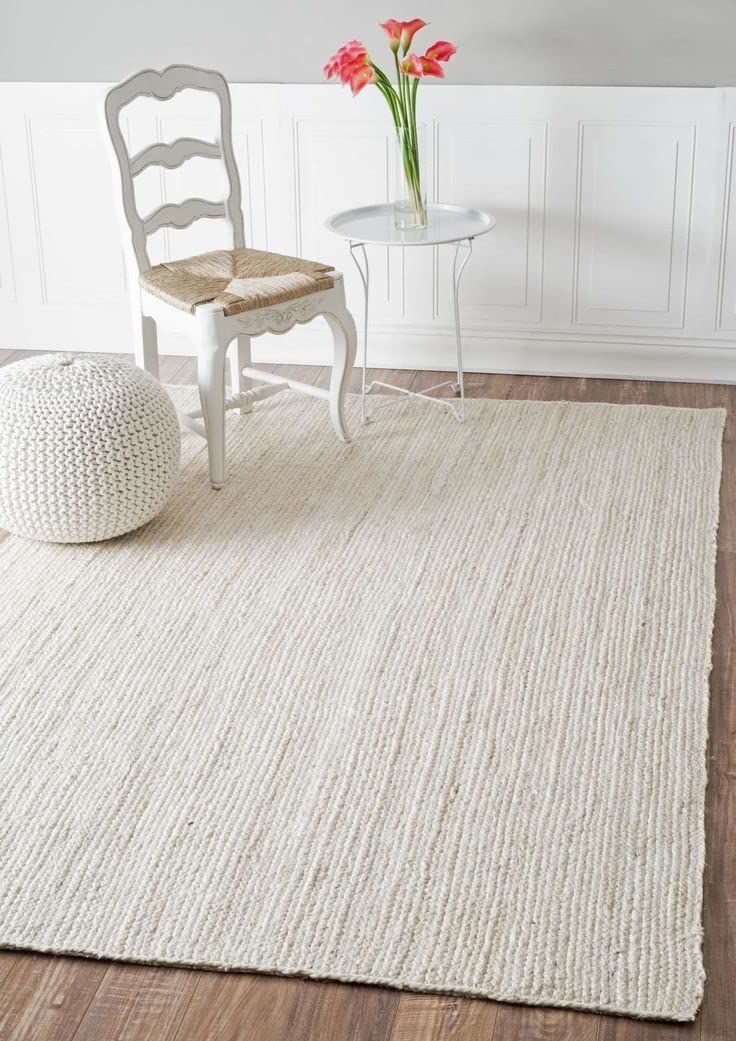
(410, 179)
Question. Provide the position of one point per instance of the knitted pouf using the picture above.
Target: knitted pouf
(89, 447)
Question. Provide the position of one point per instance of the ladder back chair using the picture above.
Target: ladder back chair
(226, 296)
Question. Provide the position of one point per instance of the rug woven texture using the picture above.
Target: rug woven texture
(427, 710)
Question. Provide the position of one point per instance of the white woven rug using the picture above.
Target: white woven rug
(429, 710)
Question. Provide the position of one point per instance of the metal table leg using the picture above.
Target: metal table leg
(466, 245)
(364, 273)
(459, 387)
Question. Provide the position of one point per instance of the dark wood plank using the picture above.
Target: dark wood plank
(438, 1018)
(477, 384)
(527, 1023)
(617, 1028)
(695, 395)
(229, 1007)
(270, 1008)
(689, 395)
(573, 388)
(727, 519)
(349, 1011)
(138, 1003)
(547, 388)
(612, 392)
(303, 373)
(7, 958)
(424, 379)
(489, 384)
(44, 998)
(399, 377)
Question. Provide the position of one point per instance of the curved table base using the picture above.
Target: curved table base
(466, 245)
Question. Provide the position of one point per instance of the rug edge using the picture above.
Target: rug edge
(714, 525)
(530, 1001)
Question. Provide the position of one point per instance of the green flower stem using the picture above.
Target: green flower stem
(402, 101)
(386, 87)
(400, 81)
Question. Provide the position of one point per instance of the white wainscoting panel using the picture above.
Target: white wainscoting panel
(633, 224)
(80, 260)
(338, 164)
(508, 172)
(727, 281)
(614, 252)
(7, 279)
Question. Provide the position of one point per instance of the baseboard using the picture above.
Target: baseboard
(688, 362)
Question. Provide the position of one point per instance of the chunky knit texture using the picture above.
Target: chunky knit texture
(429, 709)
(89, 447)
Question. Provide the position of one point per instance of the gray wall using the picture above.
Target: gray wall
(632, 42)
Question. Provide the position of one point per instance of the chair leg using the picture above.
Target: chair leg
(345, 339)
(239, 358)
(211, 380)
(145, 343)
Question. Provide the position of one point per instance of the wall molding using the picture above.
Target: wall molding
(614, 253)
(7, 274)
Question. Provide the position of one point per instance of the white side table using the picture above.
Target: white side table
(374, 225)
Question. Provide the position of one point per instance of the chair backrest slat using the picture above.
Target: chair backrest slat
(163, 86)
(182, 214)
(173, 155)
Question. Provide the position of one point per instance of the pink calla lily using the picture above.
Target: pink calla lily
(421, 65)
(408, 29)
(361, 77)
(411, 66)
(400, 34)
(431, 67)
(441, 51)
(392, 28)
(349, 68)
(352, 65)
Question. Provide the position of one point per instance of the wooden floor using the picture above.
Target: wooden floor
(46, 998)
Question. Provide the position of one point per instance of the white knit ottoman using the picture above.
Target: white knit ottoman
(89, 447)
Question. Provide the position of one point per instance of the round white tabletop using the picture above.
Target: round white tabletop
(445, 223)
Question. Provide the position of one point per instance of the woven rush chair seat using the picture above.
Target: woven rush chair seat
(238, 280)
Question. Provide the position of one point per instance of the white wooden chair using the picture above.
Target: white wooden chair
(297, 293)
